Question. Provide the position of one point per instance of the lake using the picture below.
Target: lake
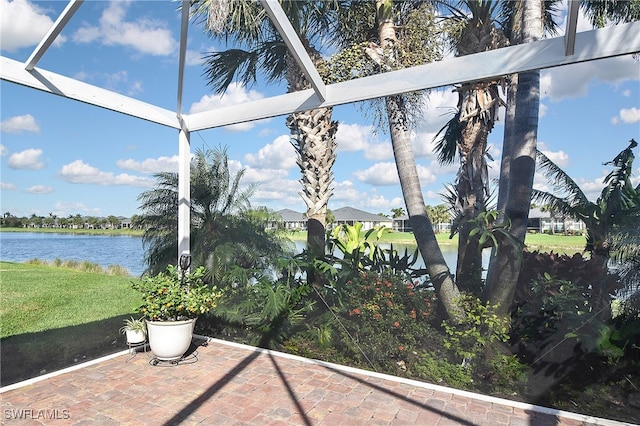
(106, 250)
(103, 250)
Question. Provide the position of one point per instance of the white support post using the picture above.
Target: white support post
(184, 195)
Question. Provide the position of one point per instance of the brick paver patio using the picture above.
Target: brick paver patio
(232, 384)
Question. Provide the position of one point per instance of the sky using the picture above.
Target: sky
(63, 157)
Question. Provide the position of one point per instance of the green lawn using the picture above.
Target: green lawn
(37, 298)
(542, 242)
(52, 318)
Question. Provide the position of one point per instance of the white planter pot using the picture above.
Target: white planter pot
(135, 337)
(169, 340)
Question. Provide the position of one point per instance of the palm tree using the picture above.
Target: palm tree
(525, 23)
(397, 212)
(611, 221)
(399, 128)
(222, 232)
(467, 132)
(312, 132)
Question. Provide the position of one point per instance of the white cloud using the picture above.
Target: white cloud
(627, 116)
(5, 186)
(144, 35)
(23, 24)
(150, 165)
(39, 189)
(345, 193)
(265, 177)
(80, 172)
(29, 159)
(592, 188)
(379, 151)
(20, 123)
(193, 58)
(358, 137)
(384, 174)
(572, 81)
(236, 94)
(438, 109)
(424, 145)
(380, 204)
(353, 137)
(63, 209)
(3, 150)
(560, 158)
(542, 110)
(380, 174)
(279, 154)
(277, 188)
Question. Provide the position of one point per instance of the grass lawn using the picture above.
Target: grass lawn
(52, 318)
(37, 298)
(543, 242)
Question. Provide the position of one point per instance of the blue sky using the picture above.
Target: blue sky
(64, 157)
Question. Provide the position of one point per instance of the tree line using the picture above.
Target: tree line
(77, 221)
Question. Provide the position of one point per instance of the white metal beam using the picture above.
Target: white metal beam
(602, 43)
(13, 71)
(183, 52)
(296, 48)
(54, 31)
(184, 194)
(572, 24)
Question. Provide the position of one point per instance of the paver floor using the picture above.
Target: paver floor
(230, 384)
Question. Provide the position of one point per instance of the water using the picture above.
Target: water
(103, 250)
(125, 251)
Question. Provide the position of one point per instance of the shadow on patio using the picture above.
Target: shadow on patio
(236, 384)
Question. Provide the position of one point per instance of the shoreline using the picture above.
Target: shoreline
(568, 244)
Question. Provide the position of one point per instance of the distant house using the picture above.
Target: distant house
(293, 220)
(544, 221)
(125, 222)
(402, 224)
(349, 216)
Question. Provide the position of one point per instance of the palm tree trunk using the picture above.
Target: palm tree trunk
(313, 135)
(471, 187)
(505, 266)
(422, 227)
(409, 181)
(505, 163)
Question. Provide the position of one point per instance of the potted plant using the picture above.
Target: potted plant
(171, 302)
(135, 330)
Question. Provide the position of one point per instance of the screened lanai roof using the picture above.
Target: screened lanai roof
(567, 49)
(570, 48)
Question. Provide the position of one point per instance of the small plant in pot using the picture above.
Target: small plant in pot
(135, 330)
(171, 302)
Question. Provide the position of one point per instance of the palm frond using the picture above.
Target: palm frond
(561, 180)
(601, 12)
(563, 206)
(450, 135)
(222, 68)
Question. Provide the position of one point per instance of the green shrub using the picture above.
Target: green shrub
(173, 295)
(384, 316)
(479, 328)
(440, 371)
